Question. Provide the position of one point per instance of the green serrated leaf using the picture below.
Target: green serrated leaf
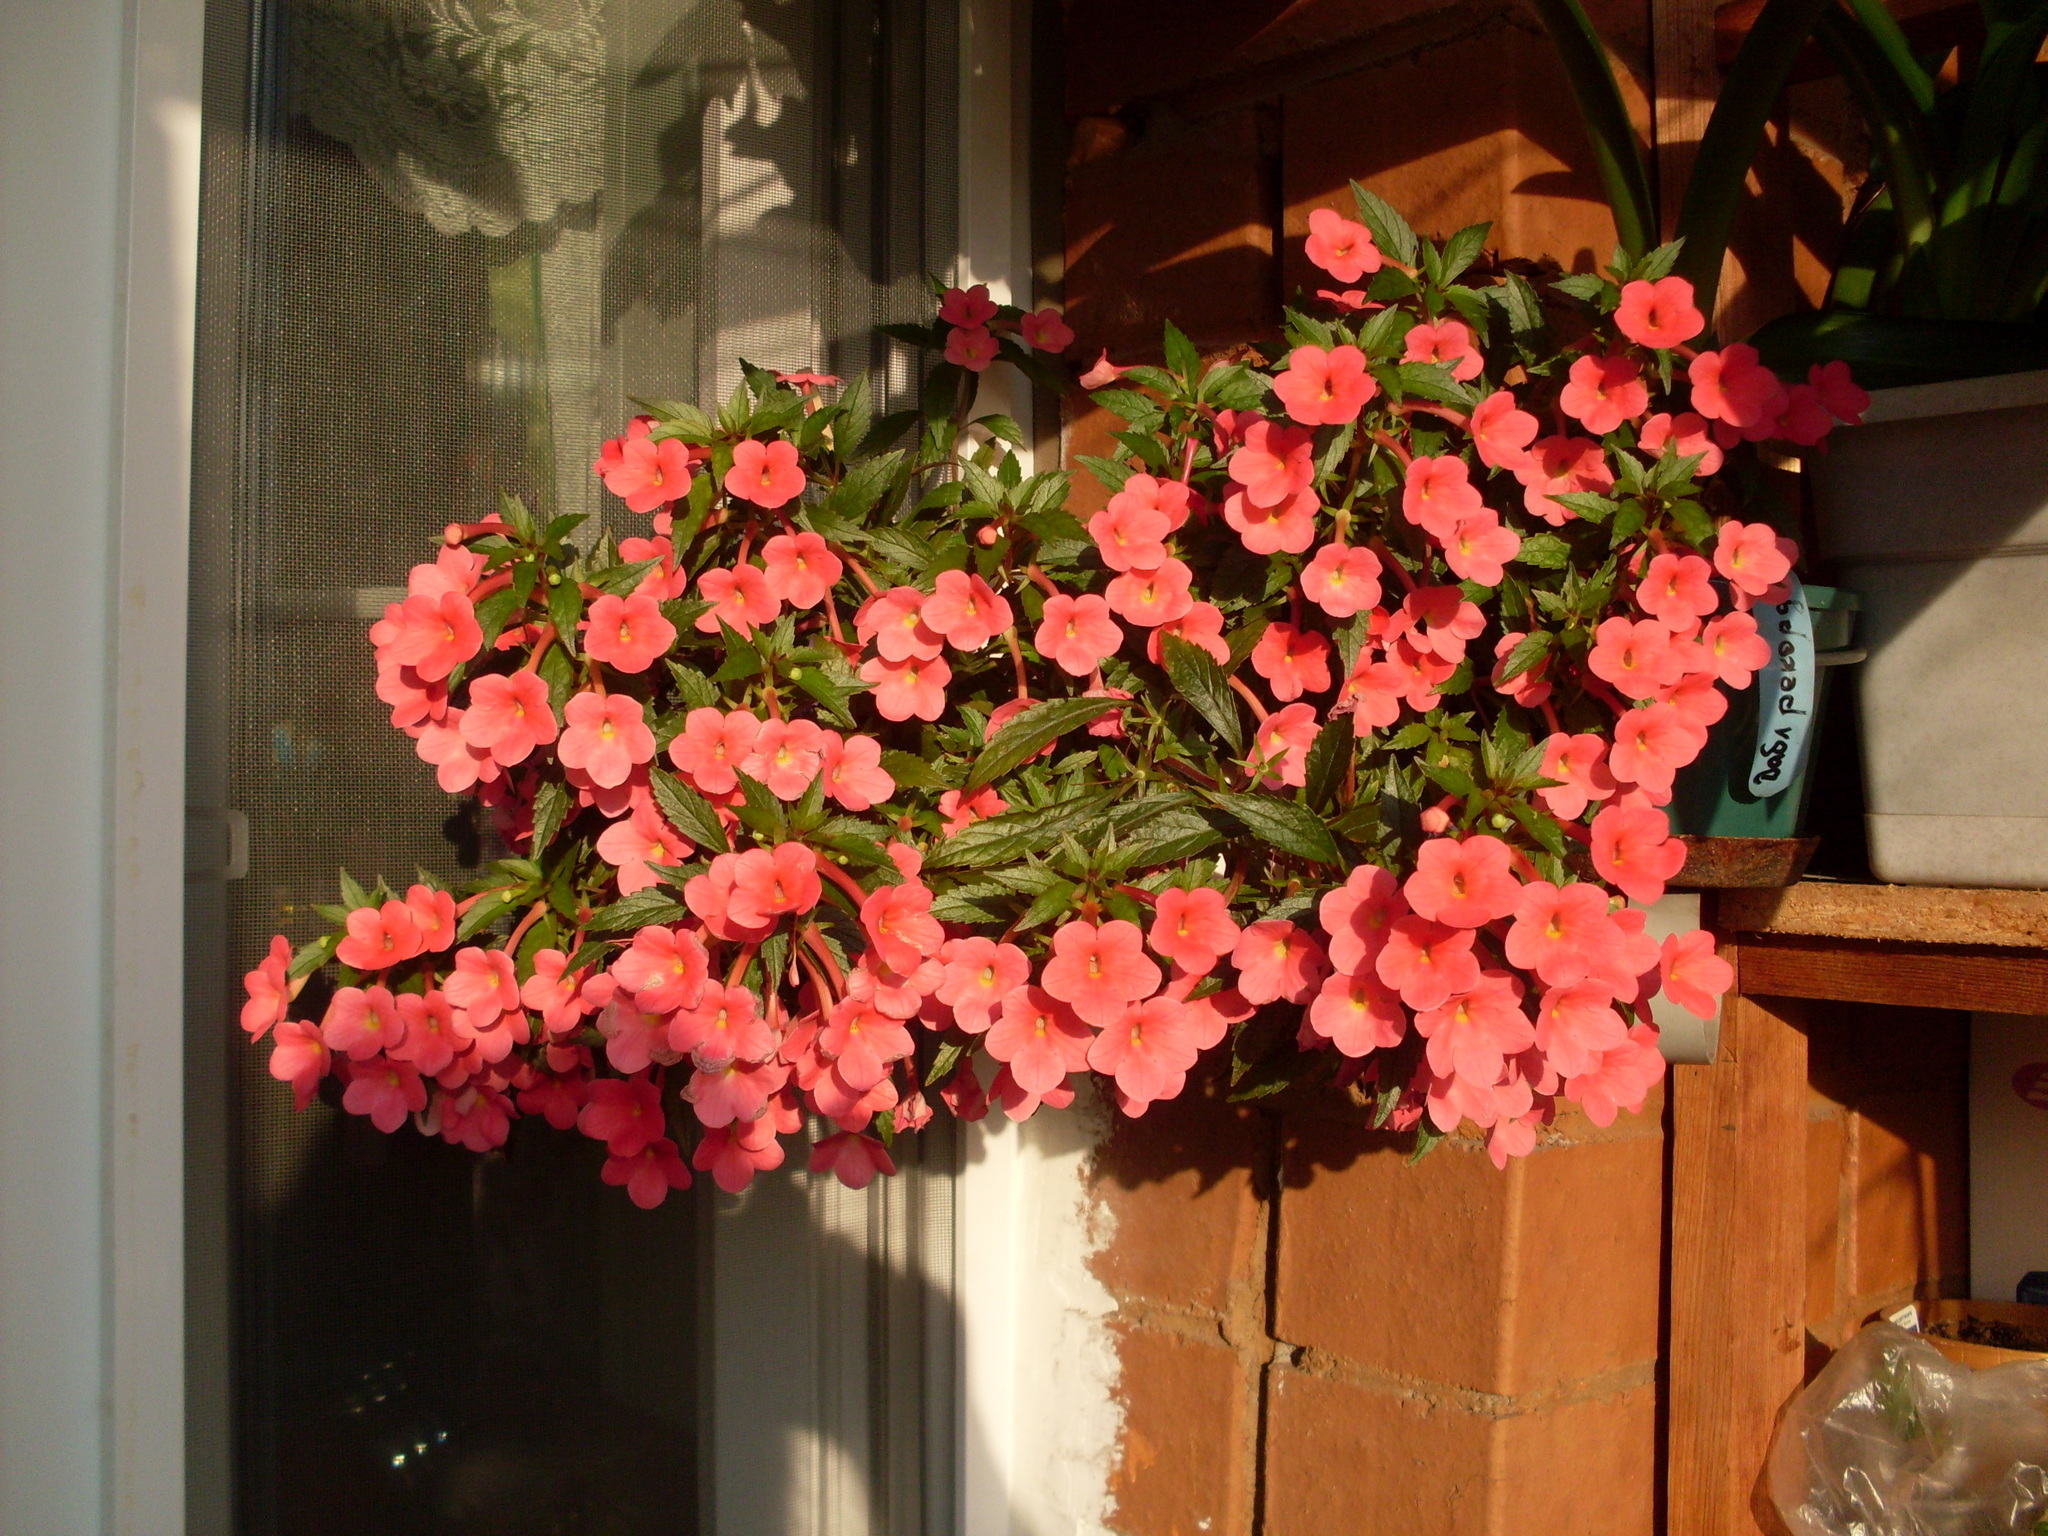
(687, 811)
(550, 807)
(1328, 757)
(1545, 551)
(1020, 740)
(1530, 650)
(913, 772)
(1282, 824)
(1197, 678)
(1390, 232)
(637, 911)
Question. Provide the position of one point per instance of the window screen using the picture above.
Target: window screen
(442, 244)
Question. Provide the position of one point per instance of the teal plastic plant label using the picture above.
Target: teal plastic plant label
(1784, 703)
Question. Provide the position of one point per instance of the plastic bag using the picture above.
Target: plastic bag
(1893, 1439)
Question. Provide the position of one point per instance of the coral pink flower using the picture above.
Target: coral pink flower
(909, 690)
(767, 886)
(964, 810)
(1292, 661)
(767, 474)
(1603, 392)
(299, 1056)
(979, 974)
(1623, 1079)
(1438, 494)
(607, 737)
(1358, 915)
(1426, 962)
(1698, 701)
(1502, 431)
(508, 716)
(649, 1174)
(1634, 851)
(1804, 420)
(664, 968)
(1192, 928)
(628, 633)
(1341, 247)
(1167, 497)
(1277, 961)
(725, 1026)
(1351, 301)
(739, 598)
(361, 1021)
(971, 348)
(798, 569)
(1659, 314)
(1479, 548)
(1038, 1038)
(1473, 1034)
(458, 766)
(1129, 533)
(1288, 525)
(1558, 466)
(1634, 655)
(853, 771)
(611, 454)
(1563, 935)
(1678, 590)
(1275, 464)
(1735, 649)
(1529, 688)
(413, 700)
(1282, 743)
(1732, 386)
(623, 1113)
(739, 1090)
(1147, 1051)
(1201, 625)
(557, 998)
(429, 1042)
(895, 622)
(1357, 1013)
(1097, 971)
(852, 1160)
(899, 922)
(1101, 372)
(1342, 580)
(863, 1042)
(432, 635)
(1047, 330)
(1151, 597)
(478, 1118)
(1463, 884)
(965, 610)
(1845, 399)
(1693, 976)
(1439, 620)
(1651, 744)
(1447, 341)
(270, 993)
(482, 986)
(1076, 633)
(1752, 556)
(1579, 764)
(647, 474)
(709, 898)
(967, 308)
(379, 937)
(786, 756)
(1418, 673)
(713, 746)
(733, 1154)
(1325, 388)
(433, 914)
(386, 1091)
(1575, 1024)
(1685, 433)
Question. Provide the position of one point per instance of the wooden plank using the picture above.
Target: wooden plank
(1738, 1263)
(1910, 914)
(1915, 976)
(1686, 84)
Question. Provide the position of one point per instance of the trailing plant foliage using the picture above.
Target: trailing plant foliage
(876, 781)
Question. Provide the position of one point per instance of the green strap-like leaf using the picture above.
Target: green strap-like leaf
(1019, 741)
(1616, 153)
(1282, 824)
(1197, 678)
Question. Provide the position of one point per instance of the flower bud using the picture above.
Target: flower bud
(1435, 820)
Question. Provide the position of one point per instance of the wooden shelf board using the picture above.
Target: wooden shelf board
(1905, 914)
(1951, 976)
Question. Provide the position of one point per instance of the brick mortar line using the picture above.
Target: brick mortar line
(1307, 1360)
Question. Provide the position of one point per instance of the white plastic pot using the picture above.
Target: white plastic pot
(1936, 512)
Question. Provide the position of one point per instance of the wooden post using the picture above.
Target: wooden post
(1738, 1263)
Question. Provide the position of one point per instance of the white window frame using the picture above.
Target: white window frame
(100, 104)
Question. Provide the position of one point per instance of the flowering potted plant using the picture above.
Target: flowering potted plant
(870, 783)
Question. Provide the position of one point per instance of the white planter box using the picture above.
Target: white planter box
(1937, 512)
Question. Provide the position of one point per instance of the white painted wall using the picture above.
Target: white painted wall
(98, 224)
